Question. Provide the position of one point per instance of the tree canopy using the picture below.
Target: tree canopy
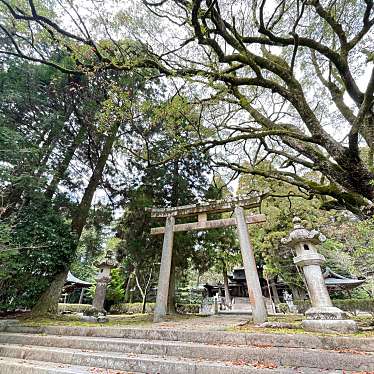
(285, 78)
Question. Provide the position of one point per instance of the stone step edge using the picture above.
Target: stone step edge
(290, 358)
(150, 342)
(22, 366)
(19, 366)
(142, 363)
(56, 341)
(329, 342)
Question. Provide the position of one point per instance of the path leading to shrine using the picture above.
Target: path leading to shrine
(192, 346)
(211, 323)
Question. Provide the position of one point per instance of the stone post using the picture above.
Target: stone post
(100, 293)
(256, 299)
(215, 305)
(102, 281)
(164, 277)
(322, 316)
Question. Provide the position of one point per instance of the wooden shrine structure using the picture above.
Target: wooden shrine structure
(201, 210)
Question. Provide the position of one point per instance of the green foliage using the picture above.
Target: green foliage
(37, 245)
(186, 295)
(218, 249)
(350, 251)
(180, 181)
(115, 292)
(348, 305)
(188, 308)
(74, 308)
(92, 243)
(133, 308)
(275, 259)
(283, 308)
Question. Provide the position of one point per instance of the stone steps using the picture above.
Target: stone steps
(191, 350)
(166, 351)
(20, 366)
(82, 362)
(328, 342)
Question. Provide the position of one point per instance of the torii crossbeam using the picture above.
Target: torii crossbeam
(202, 210)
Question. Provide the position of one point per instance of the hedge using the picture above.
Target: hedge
(188, 308)
(74, 308)
(282, 308)
(348, 305)
(133, 308)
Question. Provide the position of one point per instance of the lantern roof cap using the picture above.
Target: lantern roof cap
(108, 261)
(300, 234)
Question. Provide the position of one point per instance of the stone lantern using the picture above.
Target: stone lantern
(102, 281)
(322, 316)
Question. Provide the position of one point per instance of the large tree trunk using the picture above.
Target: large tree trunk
(144, 303)
(65, 162)
(128, 287)
(80, 217)
(297, 293)
(53, 292)
(275, 292)
(48, 302)
(49, 146)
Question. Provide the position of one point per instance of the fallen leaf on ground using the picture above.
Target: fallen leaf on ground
(264, 365)
(353, 352)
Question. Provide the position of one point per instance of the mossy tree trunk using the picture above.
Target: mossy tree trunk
(48, 301)
(65, 162)
(128, 282)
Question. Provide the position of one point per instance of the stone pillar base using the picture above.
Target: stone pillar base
(325, 312)
(330, 325)
(328, 319)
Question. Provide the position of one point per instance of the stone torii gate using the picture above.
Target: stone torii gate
(202, 210)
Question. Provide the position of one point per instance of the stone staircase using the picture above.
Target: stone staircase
(55, 349)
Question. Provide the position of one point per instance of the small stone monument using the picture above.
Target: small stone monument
(322, 316)
(102, 281)
(289, 301)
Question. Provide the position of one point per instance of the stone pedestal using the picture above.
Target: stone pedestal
(330, 325)
(322, 316)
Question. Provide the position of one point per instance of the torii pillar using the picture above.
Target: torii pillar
(164, 277)
(238, 205)
(256, 299)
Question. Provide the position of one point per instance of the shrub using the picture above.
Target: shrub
(355, 305)
(74, 308)
(133, 308)
(282, 308)
(348, 305)
(36, 243)
(302, 305)
(188, 308)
